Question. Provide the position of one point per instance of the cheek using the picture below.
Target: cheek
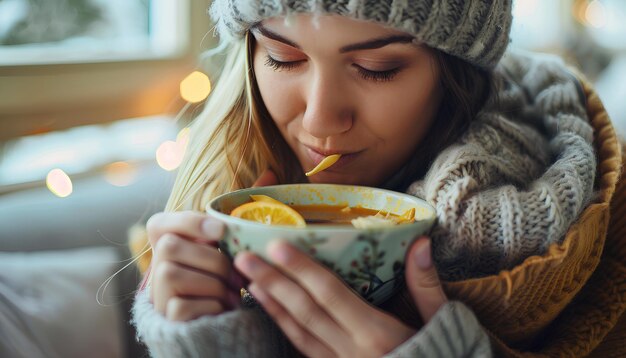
(279, 94)
(405, 113)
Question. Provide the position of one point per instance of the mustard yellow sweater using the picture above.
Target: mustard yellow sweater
(570, 300)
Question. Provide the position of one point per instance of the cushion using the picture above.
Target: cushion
(48, 305)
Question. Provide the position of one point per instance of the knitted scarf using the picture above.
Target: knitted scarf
(518, 178)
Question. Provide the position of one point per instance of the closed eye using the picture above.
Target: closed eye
(369, 75)
(377, 76)
(279, 65)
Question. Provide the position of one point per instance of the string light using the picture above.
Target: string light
(120, 173)
(590, 13)
(170, 154)
(595, 14)
(195, 87)
(59, 183)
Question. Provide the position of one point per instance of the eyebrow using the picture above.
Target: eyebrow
(274, 36)
(365, 45)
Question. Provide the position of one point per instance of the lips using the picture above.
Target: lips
(317, 156)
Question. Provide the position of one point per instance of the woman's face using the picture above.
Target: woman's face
(334, 85)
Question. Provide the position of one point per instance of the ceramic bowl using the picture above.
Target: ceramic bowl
(371, 261)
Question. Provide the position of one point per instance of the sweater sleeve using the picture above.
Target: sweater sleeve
(453, 331)
(246, 332)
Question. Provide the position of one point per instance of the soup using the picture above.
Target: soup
(270, 211)
(334, 214)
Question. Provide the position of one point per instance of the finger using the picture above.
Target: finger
(305, 342)
(188, 224)
(175, 280)
(343, 305)
(422, 279)
(205, 258)
(267, 178)
(186, 309)
(295, 301)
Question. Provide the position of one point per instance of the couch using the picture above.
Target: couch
(56, 256)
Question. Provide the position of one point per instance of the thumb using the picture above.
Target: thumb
(422, 279)
(267, 178)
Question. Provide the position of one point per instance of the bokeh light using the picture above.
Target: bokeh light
(170, 154)
(590, 13)
(595, 14)
(195, 87)
(59, 183)
(120, 173)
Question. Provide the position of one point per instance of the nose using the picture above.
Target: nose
(328, 106)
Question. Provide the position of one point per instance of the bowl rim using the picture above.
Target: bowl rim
(325, 228)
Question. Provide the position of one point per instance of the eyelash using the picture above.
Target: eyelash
(376, 76)
(278, 65)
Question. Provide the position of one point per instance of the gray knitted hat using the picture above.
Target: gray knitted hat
(474, 30)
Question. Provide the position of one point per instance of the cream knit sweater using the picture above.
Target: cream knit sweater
(511, 186)
(518, 178)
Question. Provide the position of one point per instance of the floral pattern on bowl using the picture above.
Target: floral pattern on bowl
(371, 261)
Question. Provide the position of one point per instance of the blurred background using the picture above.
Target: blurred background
(95, 96)
(92, 86)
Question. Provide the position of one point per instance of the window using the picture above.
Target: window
(76, 76)
(65, 63)
(79, 31)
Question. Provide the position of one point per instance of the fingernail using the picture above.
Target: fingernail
(213, 229)
(279, 251)
(246, 263)
(422, 255)
(257, 293)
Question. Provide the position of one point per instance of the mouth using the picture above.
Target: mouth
(317, 155)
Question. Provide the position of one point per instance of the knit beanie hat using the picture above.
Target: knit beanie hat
(476, 31)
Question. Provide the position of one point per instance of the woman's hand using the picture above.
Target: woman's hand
(422, 279)
(190, 277)
(321, 316)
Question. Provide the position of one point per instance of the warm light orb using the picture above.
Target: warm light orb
(195, 87)
(596, 14)
(170, 154)
(120, 173)
(59, 183)
(167, 155)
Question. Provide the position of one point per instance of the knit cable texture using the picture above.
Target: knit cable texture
(518, 178)
(241, 333)
(453, 331)
(474, 30)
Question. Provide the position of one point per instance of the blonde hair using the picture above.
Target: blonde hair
(231, 142)
(228, 147)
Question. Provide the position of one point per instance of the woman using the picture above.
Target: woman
(416, 98)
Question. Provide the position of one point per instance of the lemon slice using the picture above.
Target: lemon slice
(324, 164)
(269, 213)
